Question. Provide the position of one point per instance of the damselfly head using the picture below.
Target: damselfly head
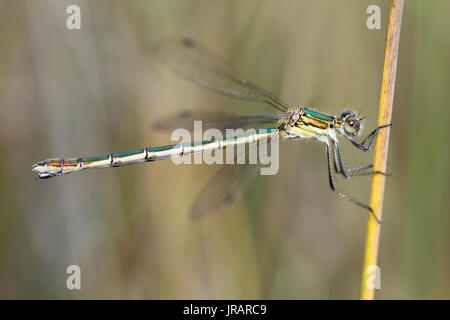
(351, 123)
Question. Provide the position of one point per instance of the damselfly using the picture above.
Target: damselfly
(193, 61)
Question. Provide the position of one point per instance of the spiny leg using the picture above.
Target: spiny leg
(371, 137)
(347, 173)
(336, 162)
(348, 170)
(343, 195)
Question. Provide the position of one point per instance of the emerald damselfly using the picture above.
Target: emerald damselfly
(193, 61)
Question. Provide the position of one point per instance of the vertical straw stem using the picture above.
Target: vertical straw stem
(369, 273)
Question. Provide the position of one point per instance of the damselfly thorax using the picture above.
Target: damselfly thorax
(306, 123)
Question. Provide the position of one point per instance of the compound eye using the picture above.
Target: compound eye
(354, 123)
(352, 126)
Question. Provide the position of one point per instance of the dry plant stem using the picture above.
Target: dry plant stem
(381, 148)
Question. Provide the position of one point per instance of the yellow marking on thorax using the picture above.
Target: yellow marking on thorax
(311, 127)
(302, 131)
(319, 124)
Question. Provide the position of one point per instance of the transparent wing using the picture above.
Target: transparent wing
(219, 120)
(226, 186)
(193, 61)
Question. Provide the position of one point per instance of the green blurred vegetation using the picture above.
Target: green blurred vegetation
(99, 89)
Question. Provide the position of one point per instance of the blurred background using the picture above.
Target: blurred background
(71, 93)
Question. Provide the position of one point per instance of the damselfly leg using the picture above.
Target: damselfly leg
(352, 172)
(340, 193)
(371, 137)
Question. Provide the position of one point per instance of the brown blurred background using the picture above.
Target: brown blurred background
(70, 93)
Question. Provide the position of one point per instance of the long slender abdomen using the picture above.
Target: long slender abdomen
(55, 167)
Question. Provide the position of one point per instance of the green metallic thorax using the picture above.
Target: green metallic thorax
(305, 123)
